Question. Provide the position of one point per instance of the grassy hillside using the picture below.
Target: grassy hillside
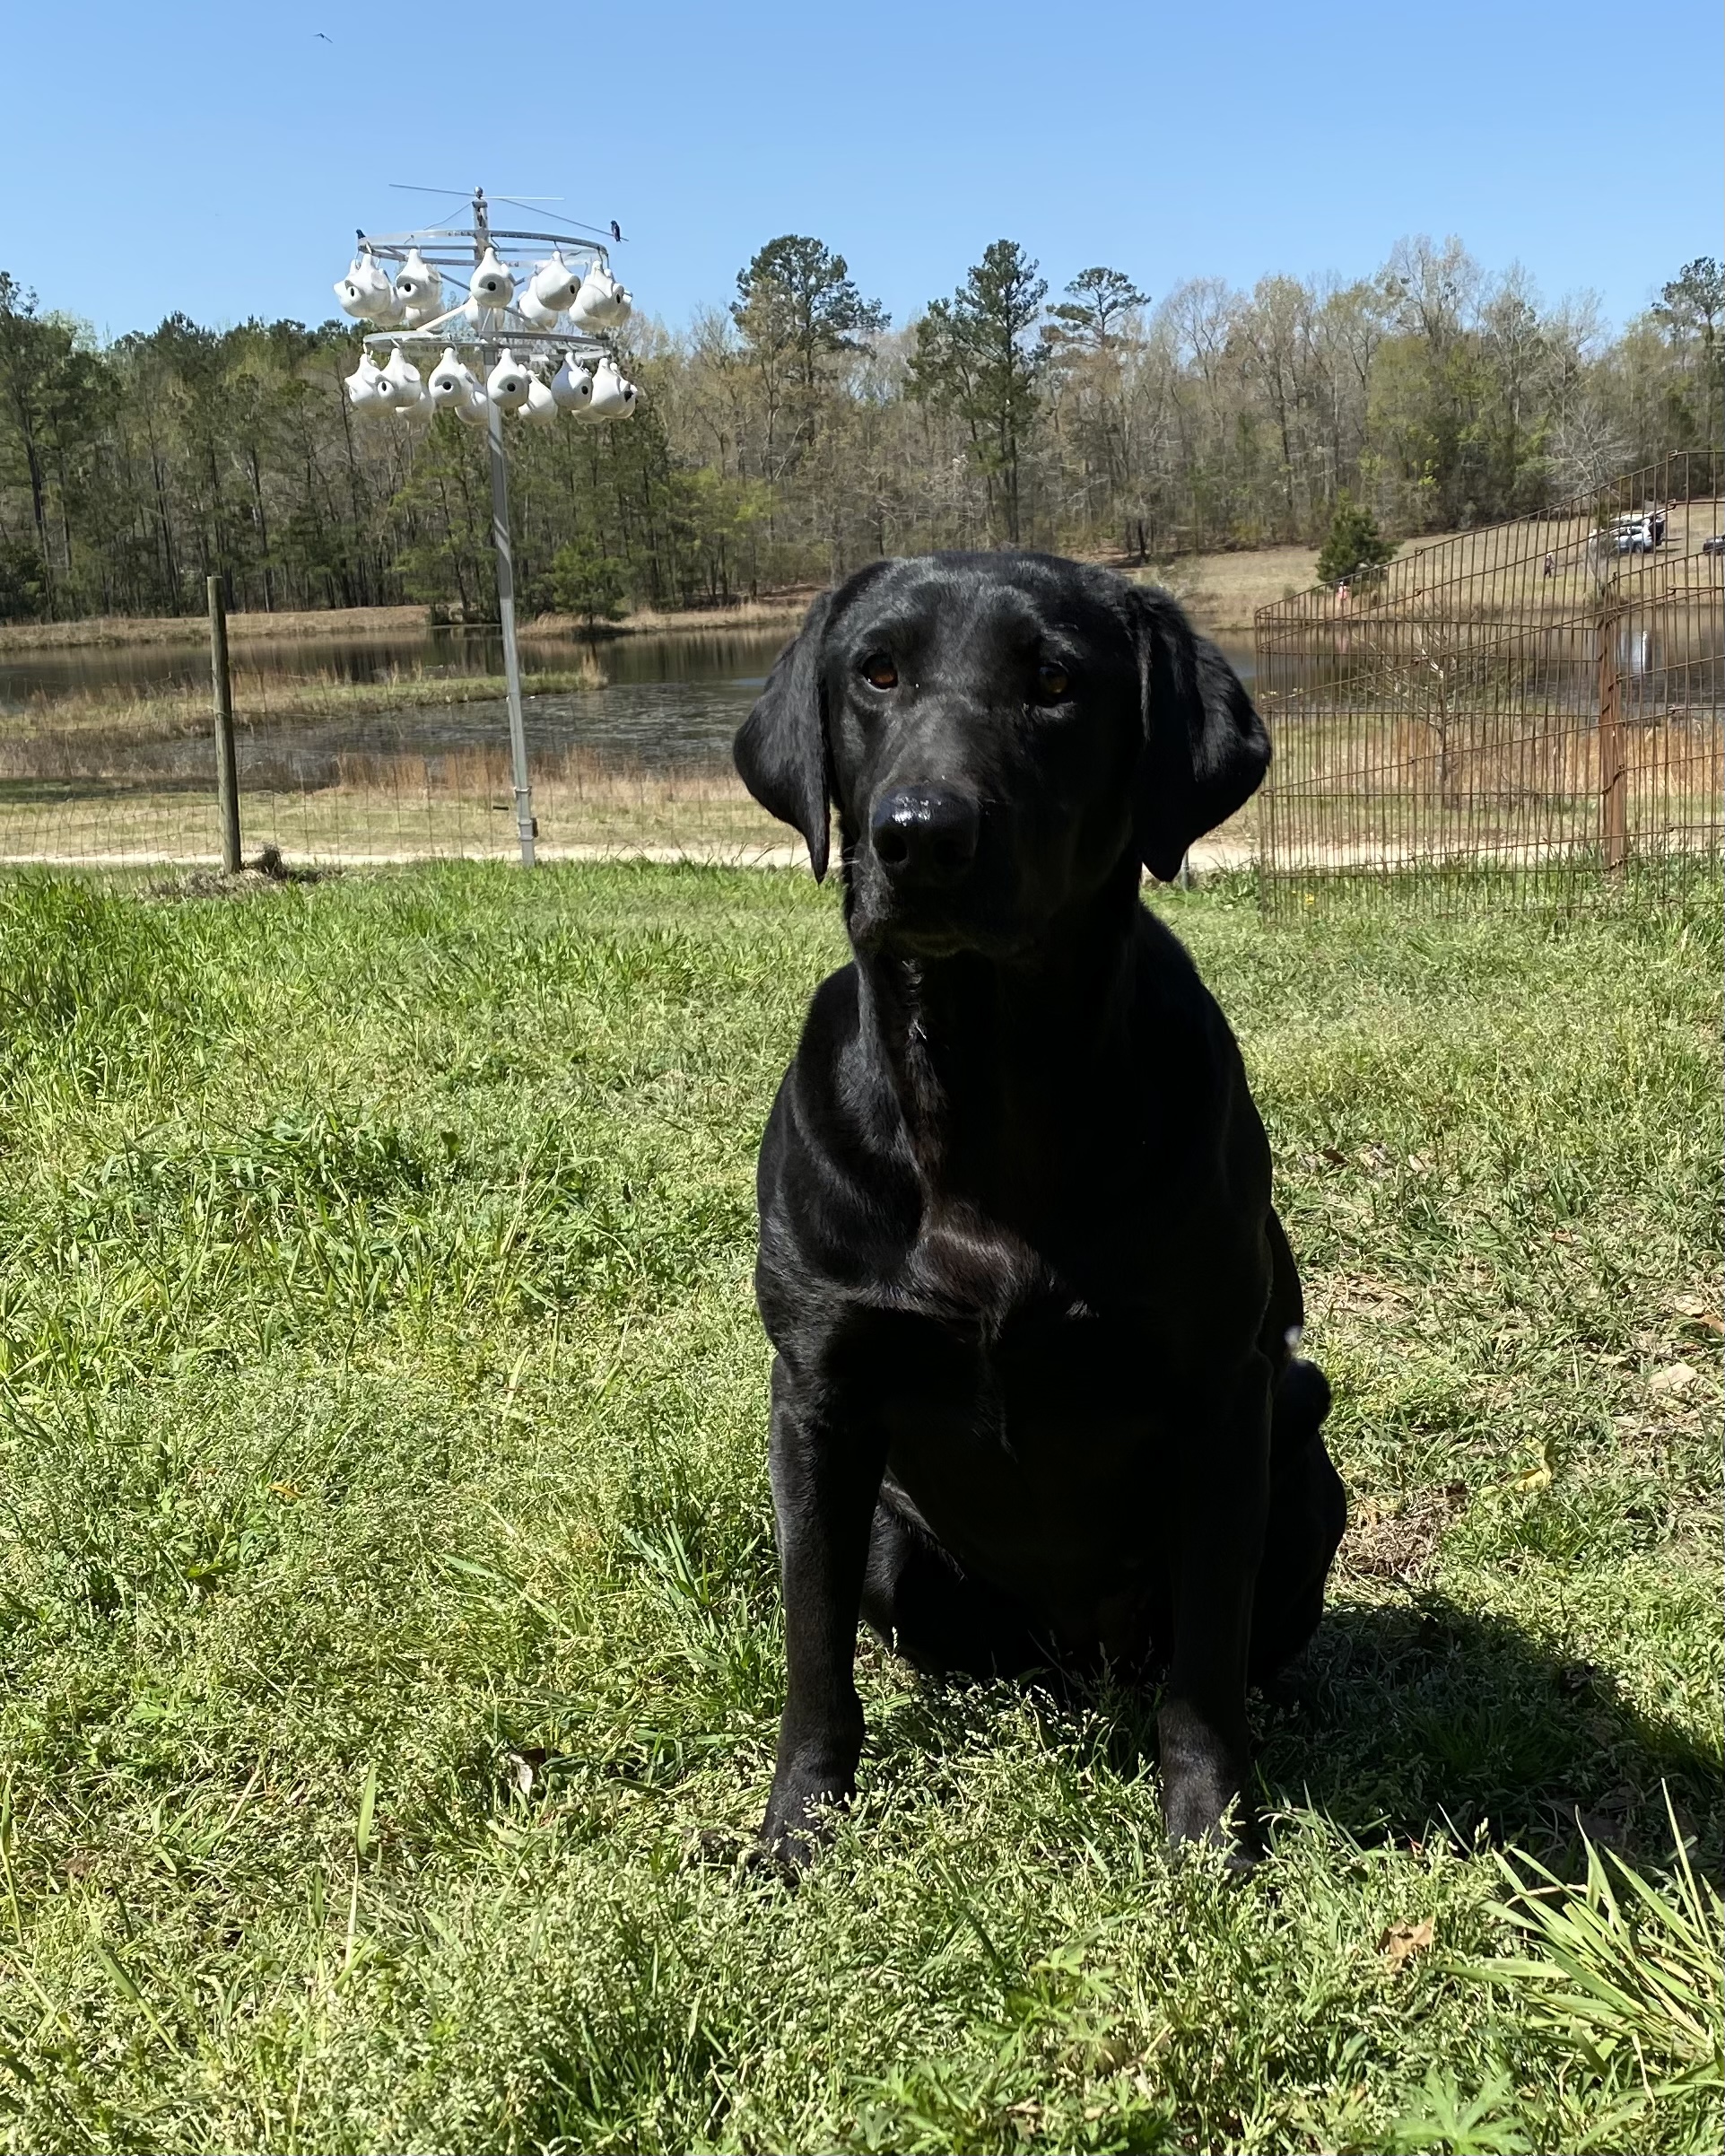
(386, 1586)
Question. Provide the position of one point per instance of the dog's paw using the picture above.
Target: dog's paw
(1198, 1816)
(744, 1855)
(799, 1821)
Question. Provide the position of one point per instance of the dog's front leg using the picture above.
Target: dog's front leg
(1225, 1497)
(826, 1477)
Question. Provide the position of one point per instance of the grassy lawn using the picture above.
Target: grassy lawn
(386, 1583)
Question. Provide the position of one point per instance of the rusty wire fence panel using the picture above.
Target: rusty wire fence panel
(1534, 707)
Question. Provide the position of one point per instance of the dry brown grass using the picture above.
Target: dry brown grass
(1384, 793)
(194, 628)
(778, 609)
(387, 806)
(1224, 590)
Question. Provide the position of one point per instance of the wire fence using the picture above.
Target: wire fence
(412, 765)
(1533, 709)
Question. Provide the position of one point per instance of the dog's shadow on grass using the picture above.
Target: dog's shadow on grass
(1426, 1718)
(1402, 1723)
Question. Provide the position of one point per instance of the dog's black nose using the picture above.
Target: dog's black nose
(925, 834)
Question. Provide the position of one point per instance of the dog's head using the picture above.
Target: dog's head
(999, 734)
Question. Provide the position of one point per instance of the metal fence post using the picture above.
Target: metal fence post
(226, 784)
(1613, 778)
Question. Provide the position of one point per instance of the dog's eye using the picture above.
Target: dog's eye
(1052, 683)
(879, 672)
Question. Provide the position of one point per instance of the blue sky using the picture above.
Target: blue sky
(216, 160)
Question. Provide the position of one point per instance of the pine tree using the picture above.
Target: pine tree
(1355, 548)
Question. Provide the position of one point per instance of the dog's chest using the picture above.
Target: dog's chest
(995, 1357)
(1024, 1431)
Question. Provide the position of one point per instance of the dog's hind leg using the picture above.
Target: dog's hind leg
(1308, 1512)
(926, 1608)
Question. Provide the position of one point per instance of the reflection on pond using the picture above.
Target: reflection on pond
(27, 676)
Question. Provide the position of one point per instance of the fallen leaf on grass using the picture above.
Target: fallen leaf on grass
(1536, 1478)
(525, 1765)
(1402, 1941)
(1676, 1377)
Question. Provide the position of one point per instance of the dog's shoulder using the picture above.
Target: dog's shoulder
(1173, 996)
(1193, 1066)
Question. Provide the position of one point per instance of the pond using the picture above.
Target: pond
(665, 700)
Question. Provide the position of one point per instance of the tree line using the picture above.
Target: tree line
(796, 431)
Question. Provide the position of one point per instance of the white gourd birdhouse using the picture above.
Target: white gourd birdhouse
(609, 390)
(507, 383)
(624, 305)
(403, 378)
(354, 292)
(630, 398)
(572, 386)
(476, 408)
(364, 384)
(451, 384)
(475, 311)
(555, 284)
(373, 280)
(541, 405)
(419, 288)
(593, 305)
(492, 284)
(535, 311)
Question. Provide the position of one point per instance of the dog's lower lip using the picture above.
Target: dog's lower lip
(896, 937)
(914, 939)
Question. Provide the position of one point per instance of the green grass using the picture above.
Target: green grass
(386, 1586)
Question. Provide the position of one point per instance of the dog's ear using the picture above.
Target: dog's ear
(781, 747)
(1205, 747)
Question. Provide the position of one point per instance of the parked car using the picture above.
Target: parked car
(1714, 543)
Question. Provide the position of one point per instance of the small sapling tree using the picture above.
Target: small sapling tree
(1355, 547)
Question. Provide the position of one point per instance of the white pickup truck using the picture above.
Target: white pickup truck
(1640, 532)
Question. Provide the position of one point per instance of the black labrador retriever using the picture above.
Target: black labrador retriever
(1036, 1403)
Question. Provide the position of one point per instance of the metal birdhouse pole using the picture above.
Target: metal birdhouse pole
(525, 828)
(488, 325)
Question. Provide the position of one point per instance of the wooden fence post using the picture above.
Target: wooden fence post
(1613, 777)
(226, 784)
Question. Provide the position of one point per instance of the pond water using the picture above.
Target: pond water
(669, 699)
(141, 670)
